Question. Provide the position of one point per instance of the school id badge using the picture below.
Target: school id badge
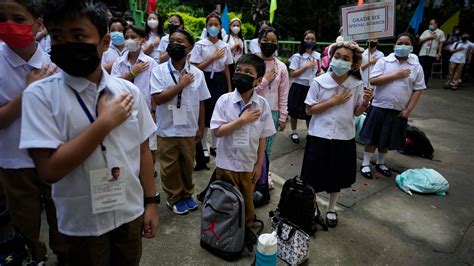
(107, 189)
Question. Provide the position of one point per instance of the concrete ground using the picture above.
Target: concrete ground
(378, 223)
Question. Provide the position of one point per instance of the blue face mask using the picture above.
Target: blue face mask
(117, 38)
(213, 31)
(340, 67)
(402, 50)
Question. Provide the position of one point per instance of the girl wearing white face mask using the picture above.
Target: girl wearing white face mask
(236, 42)
(333, 99)
(154, 31)
(399, 80)
(137, 67)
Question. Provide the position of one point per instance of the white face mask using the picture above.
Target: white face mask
(152, 23)
(235, 29)
(132, 45)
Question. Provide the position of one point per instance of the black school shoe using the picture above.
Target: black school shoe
(367, 175)
(212, 151)
(386, 173)
(331, 222)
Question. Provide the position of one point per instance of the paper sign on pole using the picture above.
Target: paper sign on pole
(368, 21)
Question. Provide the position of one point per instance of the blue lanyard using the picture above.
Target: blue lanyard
(178, 104)
(88, 114)
(243, 108)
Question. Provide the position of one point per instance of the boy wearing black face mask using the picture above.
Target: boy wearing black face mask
(241, 121)
(80, 124)
(179, 90)
(22, 62)
(369, 57)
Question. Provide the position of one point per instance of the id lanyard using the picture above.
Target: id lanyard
(91, 119)
(243, 108)
(178, 104)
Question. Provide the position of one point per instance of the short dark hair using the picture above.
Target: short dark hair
(254, 60)
(412, 39)
(265, 32)
(302, 48)
(63, 10)
(160, 29)
(188, 36)
(115, 169)
(117, 20)
(141, 32)
(32, 6)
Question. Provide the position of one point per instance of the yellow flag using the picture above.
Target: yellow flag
(448, 26)
(273, 7)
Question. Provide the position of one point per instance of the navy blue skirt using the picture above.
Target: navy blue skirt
(217, 87)
(329, 165)
(384, 128)
(296, 98)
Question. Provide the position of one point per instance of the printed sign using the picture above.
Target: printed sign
(368, 21)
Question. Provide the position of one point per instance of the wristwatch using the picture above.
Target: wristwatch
(153, 200)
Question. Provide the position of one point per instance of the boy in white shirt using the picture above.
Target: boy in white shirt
(369, 63)
(241, 121)
(80, 124)
(22, 61)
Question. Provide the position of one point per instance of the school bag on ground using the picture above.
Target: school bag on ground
(261, 195)
(299, 206)
(422, 180)
(223, 221)
(417, 143)
(293, 242)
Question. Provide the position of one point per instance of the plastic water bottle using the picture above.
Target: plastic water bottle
(267, 250)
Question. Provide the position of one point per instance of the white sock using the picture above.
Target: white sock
(381, 159)
(367, 157)
(214, 141)
(204, 140)
(332, 201)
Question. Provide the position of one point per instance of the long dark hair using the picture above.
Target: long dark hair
(302, 48)
(259, 25)
(180, 19)
(160, 31)
(215, 15)
(241, 36)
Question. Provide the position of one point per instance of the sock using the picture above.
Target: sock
(332, 205)
(366, 161)
(204, 140)
(381, 160)
(214, 141)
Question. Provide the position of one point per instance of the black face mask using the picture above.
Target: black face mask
(464, 39)
(243, 82)
(172, 27)
(373, 44)
(76, 59)
(176, 51)
(268, 49)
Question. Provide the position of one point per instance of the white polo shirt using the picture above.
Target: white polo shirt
(231, 40)
(191, 97)
(13, 79)
(111, 54)
(155, 54)
(53, 116)
(228, 108)
(430, 47)
(338, 121)
(365, 60)
(142, 80)
(298, 61)
(254, 47)
(163, 44)
(204, 48)
(396, 94)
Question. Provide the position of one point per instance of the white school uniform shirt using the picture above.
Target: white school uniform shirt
(204, 48)
(191, 97)
(396, 94)
(155, 54)
(231, 40)
(142, 80)
(53, 116)
(460, 57)
(254, 47)
(45, 44)
(298, 61)
(13, 79)
(112, 53)
(163, 44)
(228, 108)
(336, 122)
(430, 47)
(365, 60)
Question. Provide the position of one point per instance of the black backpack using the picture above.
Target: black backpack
(261, 194)
(298, 205)
(416, 143)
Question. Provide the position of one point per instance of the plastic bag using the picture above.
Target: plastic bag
(359, 122)
(422, 180)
